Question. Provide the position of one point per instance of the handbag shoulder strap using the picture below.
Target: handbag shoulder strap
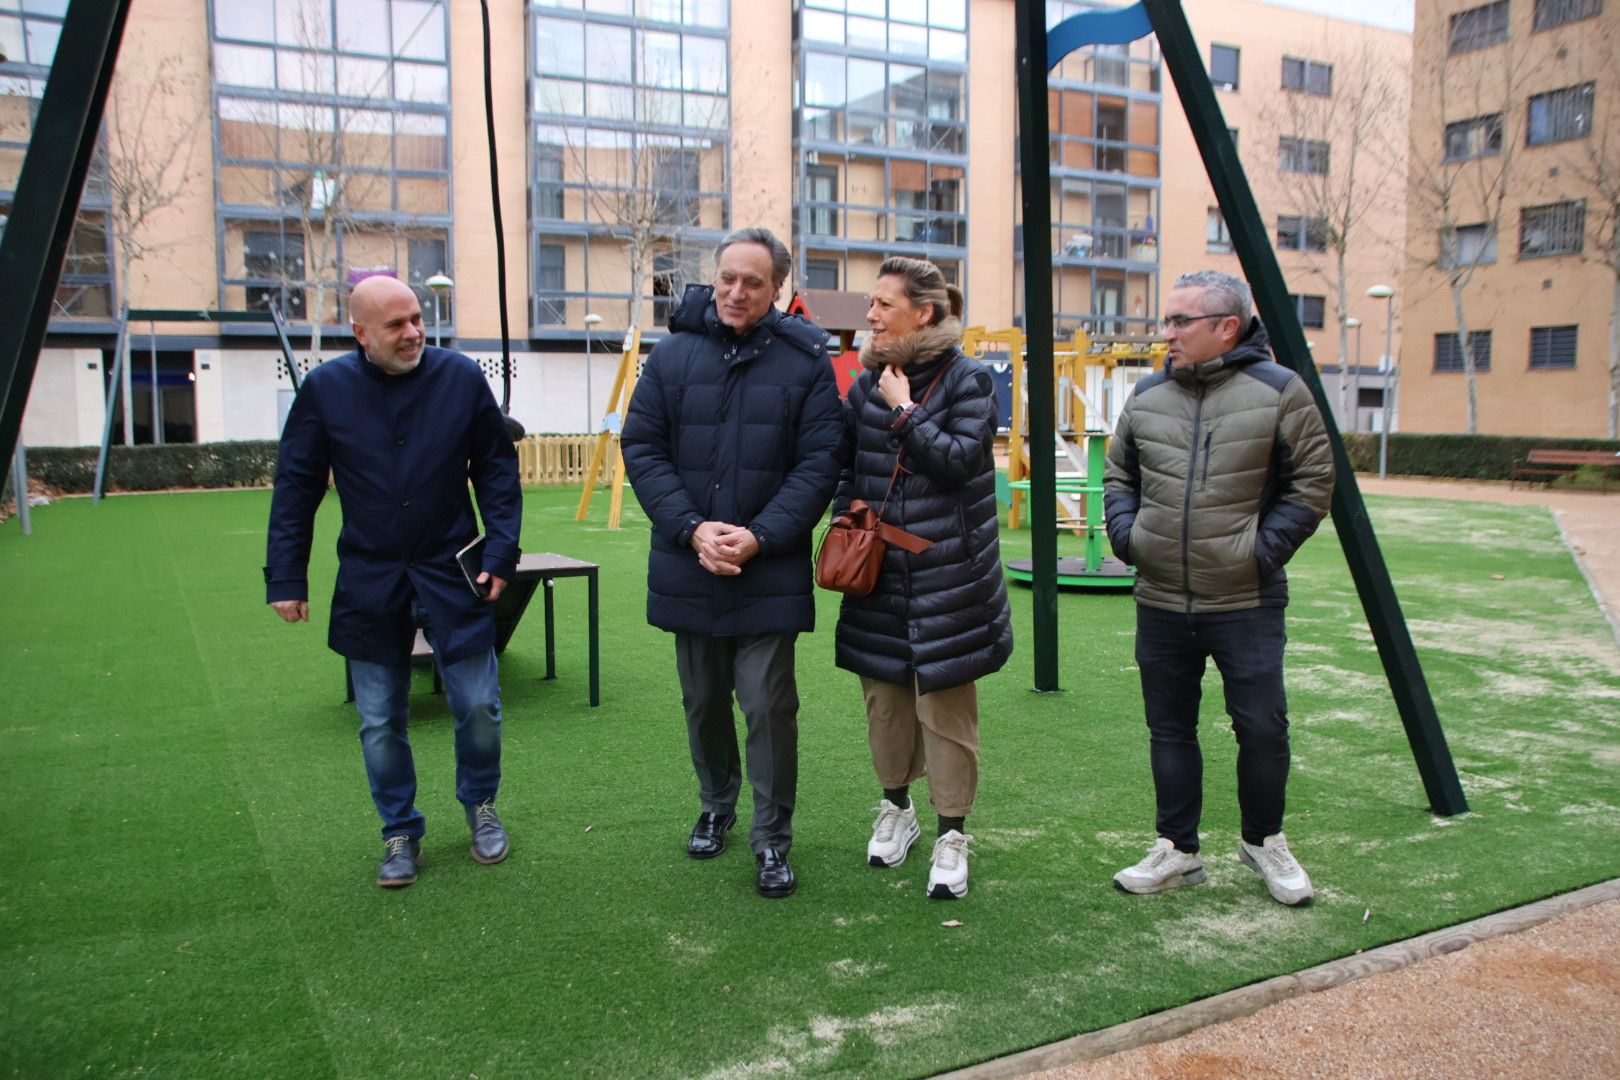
(927, 393)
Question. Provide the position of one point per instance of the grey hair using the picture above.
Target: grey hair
(781, 261)
(1232, 293)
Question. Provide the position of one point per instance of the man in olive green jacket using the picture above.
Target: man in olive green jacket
(1219, 469)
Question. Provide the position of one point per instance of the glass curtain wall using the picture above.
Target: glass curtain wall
(28, 36)
(630, 115)
(1104, 104)
(880, 137)
(332, 149)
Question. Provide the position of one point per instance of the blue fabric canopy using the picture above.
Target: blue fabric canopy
(1096, 28)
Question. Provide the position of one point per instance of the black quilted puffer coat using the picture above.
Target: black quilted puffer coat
(942, 614)
(742, 430)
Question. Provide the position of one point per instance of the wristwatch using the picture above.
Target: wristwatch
(898, 414)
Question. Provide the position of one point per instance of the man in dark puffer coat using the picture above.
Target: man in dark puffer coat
(1219, 469)
(731, 443)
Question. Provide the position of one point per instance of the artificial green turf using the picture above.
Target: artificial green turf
(188, 852)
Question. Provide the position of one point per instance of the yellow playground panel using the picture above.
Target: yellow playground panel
(1094, 376)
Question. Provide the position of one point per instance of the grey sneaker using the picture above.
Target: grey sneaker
(1285, 878)
(893, 833)
(489, 842)
(1163, 868)
(400, 855)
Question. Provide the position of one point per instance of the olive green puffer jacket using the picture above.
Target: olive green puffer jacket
(1217, 473)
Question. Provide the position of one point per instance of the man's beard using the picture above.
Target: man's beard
(394, 365)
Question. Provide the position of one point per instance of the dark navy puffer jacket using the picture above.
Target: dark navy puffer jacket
(742, 430)
(941, 615)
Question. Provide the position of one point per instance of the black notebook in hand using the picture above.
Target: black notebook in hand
(471, 561)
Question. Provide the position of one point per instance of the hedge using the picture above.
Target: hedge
(252, 464)
(156, 468)
(1462, 457)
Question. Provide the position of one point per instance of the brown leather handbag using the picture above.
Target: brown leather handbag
(851, 553)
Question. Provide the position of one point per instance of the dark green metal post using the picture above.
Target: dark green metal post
(48, 191)
(1253, 246)
(1036, 173)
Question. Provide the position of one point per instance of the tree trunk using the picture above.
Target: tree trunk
(1345, 418)
(1614, 357)
(1466, 345)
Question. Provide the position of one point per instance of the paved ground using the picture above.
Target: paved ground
(1541, 1003)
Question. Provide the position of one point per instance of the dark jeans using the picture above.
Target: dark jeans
(1247, 647)
(759, 670)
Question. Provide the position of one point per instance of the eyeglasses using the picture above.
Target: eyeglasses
(1181, 322)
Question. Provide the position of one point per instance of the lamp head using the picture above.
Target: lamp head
(440, 283)
(1380, 292)
(592, 319)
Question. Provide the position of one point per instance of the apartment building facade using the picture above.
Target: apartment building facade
(1513, 205)
(319, 140)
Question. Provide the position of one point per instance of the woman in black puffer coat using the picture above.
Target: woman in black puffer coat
(936, 621)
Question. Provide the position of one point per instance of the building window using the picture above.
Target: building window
(552, 309)
(1448, 355)
(1467, 245)
(1560, 115)
(1552, 347)
(821, 274)
(1473, 138)
(1312, 310)
(273, 271)
(1551, 13)
(1223, 66)
(1302, 155)
(424, 257)
(1217, 241)
(1307, 76)
(1302, 233)
(548, 181)
(1554, 229)
(822, 182)
(1480, 27)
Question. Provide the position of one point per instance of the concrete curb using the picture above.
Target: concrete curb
(1247, 1000)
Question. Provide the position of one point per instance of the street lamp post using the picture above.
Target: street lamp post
(440, 283)
(1387, 365)
(1355, 382)
(591, 322)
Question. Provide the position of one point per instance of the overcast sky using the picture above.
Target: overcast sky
(1395, 14)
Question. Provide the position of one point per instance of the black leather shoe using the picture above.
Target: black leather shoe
(776, 878)
(400, 855)
(709, 835)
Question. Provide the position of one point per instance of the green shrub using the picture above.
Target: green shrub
(1461, 457)
(156, 468)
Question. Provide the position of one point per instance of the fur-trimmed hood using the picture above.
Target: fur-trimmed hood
(919, 347)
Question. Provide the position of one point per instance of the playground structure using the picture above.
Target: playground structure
(607, 434)
(1092, 378)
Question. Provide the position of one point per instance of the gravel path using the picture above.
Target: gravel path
(1541, 1003)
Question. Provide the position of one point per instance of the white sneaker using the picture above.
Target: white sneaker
(1164, 868)
(1285, 878)
(893, 833)
(948, 879)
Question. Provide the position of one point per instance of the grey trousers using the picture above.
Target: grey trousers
(759, 670)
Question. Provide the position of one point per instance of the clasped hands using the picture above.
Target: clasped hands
(722, 549)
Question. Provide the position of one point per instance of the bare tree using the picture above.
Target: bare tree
(651, 182)
(1341, 119)
(1598, 167)
(1458, 185)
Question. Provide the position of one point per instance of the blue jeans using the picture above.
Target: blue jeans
(1247, 647)
(381, 695)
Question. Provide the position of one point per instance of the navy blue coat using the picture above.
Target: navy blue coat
(740, 430)
(401, 449)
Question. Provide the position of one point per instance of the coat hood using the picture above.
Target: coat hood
(919, 347)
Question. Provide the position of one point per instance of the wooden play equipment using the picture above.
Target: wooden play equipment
(1093, 377)
(618, 403)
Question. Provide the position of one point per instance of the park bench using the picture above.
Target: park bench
(534, 570)
(1545, 465)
